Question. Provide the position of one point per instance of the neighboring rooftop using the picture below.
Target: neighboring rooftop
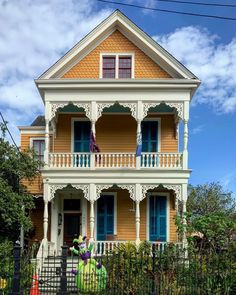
(39, 121)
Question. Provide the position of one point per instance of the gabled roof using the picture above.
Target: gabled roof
(118, 21)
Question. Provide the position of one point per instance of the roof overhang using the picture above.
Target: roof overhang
(107, 84)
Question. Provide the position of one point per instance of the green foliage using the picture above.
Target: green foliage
(14, 167)
(173, 270)
(210, 219)
(210, 198)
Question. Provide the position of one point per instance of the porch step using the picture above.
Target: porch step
(50, 276)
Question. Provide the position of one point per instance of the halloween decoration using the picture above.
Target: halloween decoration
(91, 276)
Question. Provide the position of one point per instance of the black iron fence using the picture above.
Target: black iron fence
(171, 270)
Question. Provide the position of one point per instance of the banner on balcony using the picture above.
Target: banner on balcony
(139, 145)
(94, 148)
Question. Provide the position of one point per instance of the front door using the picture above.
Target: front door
(72, 226)
(105, 217)
(157, 218)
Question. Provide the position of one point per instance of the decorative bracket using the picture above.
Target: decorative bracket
(175, 187)
(132, 106)
(55, 187)
(56, 106)
(129, 187)
(179, 107)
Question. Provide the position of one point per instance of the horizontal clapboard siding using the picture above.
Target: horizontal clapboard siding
(126, 218)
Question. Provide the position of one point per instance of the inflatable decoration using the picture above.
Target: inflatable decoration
(90, 275)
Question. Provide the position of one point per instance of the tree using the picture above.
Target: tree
(14, 167)
(210, 216)
(210, 198)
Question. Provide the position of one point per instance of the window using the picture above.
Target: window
(105, 217)
(39, 147)
(109, 66)
(125, 66)
(157, 218)
(117, 65)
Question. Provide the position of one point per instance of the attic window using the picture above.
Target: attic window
(109, 67)
(125, 66)
(117, 66)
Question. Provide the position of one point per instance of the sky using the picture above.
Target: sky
(35, 34)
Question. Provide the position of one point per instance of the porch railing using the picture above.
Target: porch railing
(116, 161)
(106, 247)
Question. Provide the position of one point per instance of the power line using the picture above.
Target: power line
(199, 3)
(12, 138)
(5, 124)
(170, 11)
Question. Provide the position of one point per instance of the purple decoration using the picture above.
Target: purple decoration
(94, 148)
(99, 265)
(74, 272)
(85, 255)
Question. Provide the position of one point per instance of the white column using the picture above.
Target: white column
(92, 199)
(92, 218)
(138, 159)
(45, 221)
(138, 197)
(45, 213)
(137, 221)
(46, 152)
(184, 200)
(185, 137)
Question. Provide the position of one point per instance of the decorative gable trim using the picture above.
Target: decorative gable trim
(118, 20)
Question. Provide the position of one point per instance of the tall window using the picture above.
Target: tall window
(125, 66)
(109, 66)
(39, 147)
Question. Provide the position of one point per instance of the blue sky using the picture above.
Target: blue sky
(34, 34)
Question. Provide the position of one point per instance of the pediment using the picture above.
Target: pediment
(82, 61)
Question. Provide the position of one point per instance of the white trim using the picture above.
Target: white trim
(35, 138)
(34, 132)
(158, 130)
(117, 55)
(75, 119)
(82, 211)
(115, 213)
(167, 194)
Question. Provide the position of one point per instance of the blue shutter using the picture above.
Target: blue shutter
(81, 136)
(82, 131)
(157, 218)
(149, 139)
(105, 217)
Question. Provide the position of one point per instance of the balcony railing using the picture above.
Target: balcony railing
(116, 161)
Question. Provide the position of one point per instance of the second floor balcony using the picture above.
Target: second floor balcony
(116, 161)
(117, 136)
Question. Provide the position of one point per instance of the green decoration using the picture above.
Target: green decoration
(91, 276)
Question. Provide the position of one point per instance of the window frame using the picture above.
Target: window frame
(158, 131)
(32, 139)
(117, 55)
(167, 195)
(115, 213)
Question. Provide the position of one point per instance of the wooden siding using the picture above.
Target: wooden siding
(88, 67)
(126, 230)
(36, 216)
(34, 186)
(115, 133)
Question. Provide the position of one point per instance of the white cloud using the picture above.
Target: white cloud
(228, 179)
(197, 129)
(213, 62)
(35, 34)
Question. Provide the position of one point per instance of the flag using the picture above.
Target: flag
(139, 145)
(94, 148)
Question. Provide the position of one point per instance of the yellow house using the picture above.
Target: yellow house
(110, 140)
